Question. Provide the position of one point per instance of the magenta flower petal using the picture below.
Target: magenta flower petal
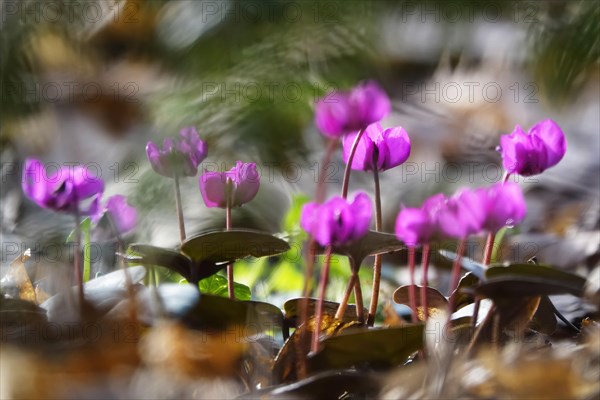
(123, 215)
(65, 189)
(398, 147)
(362, 211)
(505, 206)
(86, 184)
(390, 147)
(180, 156)
(343, 112)
(337, 222)
(213, 187)
(363, 156)
(532, 153)
(554, 139)
(413, 226)
(463, 214)
(370, 104)
(33, 183)
(332, 114)
(245, 182)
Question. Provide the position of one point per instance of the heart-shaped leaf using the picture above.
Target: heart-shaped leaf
(436, 302)
(371, 244)
(529, 280)
(227, 246)
(216, 312)
(292, 310)
(144, 254)
(379, 347)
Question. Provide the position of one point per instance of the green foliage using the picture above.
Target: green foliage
(217, 285)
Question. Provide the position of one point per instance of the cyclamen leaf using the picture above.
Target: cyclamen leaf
(225, 246)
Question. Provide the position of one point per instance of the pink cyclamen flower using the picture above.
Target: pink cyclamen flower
(417, 226)
(66, 189)
(378, 148)
(337, 221)
(343, 112)
(242, 181)
(179, 156)
(504, 205)
(122, 214)
(535, 151)
(463, 214)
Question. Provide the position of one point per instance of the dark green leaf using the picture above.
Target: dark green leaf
(379, 347)
(370, 244)
(529, 280)
(144, 254)
(227, 246)
(216, 312)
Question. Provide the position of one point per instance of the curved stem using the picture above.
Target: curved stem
(346, 181)
(323, 286)
(425, 267)
(456, 272)
(179, 209)
(339, 314)
(412, 290)
(377, 262)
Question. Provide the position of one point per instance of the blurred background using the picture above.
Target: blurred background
(92, 81)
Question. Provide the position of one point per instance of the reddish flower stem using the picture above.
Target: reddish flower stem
(322, 289)
(310, 258)
(412, 290)
(456, 272)
(377, 262)
(230, 282)
(487, 257)
(346, 181)
(179, 209)
(425, 267)
(339, 314)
